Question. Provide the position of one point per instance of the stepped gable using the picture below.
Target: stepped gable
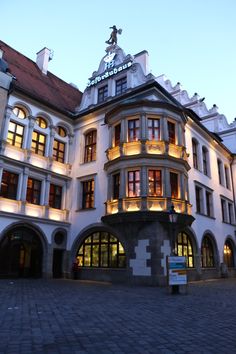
(48, 89)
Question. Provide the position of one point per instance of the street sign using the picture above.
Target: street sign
(177, 270)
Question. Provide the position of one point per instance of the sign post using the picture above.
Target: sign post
(177, 272)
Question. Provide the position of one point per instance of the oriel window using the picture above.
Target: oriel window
(133, 130)
(9, 185)
(116, 186)
(88, 194)
(90, 146)
(33, 191)
(15, 134)
(153, 129)
(134, 183)
(171, 132)
(174, 185)
(154, 183)
(55, 196)
(117, 134)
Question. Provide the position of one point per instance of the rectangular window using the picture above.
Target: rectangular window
(174, 185)
(121, 85)
(88, 194)
(227, 183)
(223, 210)
(90, 146)
(204, 161)
(219, 167)
(58, 151)
(9, 185)
(117, 134)
(209, 211)
(33, 191)
(133, 130)
(231, 213)
(55, 196)
(38, 143)
(116, 186)
(154, 183)
(133, 183)
(153, 129)
(195, 154)
(15, 134)
(171, 132)
(102, 93)
(198, 192)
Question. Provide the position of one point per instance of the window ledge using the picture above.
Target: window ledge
(207, 216)
(87, 209)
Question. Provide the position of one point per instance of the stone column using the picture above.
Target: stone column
(49, 150)
(69, 158)
(30, 131)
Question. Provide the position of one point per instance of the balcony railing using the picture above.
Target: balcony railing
(148, 204)
(148, 147)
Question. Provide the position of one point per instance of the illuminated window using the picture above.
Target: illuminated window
(61, 131)
(38, 143)
(133, 183)
(33, 191)
(183, 247)
(207, 253)
(101, 250)
(116, 186)
(19, 112)
(133, 130)
(195, 153)
(205, 161)
(15, 134)
(9, 185)
(228, 254)
(102, 93)
(88, 194)
(117, 134)
(42, 123)
(121, 85)
(55, 196)
(174, 185)
(58, 151)
(154, 183)
(90, 146)
(153, 129)
(171, 132)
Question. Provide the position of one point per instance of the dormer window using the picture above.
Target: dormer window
(102, 93)
(121, 85)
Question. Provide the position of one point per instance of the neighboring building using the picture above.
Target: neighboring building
(93, 176)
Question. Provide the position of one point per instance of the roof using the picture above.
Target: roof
(48, 89)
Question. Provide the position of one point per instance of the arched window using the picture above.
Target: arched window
(101, 250)
(19, 112)
(183, 247)
(90, 146)
(228, 254)
(195, 153)
(207, 253)
(61, 131)
(42, 123)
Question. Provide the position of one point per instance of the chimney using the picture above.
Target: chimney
(43, 57)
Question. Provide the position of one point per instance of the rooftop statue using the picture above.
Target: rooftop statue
(113, 36)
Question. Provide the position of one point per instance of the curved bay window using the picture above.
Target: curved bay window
(207, 253)
(101, 250)
(183, 247)
(228, 254)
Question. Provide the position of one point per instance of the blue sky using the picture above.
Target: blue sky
(190, 41)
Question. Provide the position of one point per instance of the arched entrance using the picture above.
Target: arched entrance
(21, 253)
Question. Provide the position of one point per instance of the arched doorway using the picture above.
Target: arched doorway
(184, 247)
(21, 253)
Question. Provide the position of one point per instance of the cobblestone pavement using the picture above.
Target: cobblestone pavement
(69, 317)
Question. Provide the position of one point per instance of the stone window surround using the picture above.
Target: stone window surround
(203, 202)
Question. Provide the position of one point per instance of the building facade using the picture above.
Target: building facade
(90, 178)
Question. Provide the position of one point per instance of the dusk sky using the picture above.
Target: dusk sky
(190, 41)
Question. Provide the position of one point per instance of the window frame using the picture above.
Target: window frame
(156, 183)
(171, 132)
(195, 154)
(154, 132)
(116, 186)
(55, 196)
(57, 151)
(134, 184)
(88, 194)
(207, 253)
(121, 85)
(10, 180)
(102, 93)
(33, 194)
(174, 187)
(90, 148)
(185, 243)
(15, 135)
(133, 130)
(39, 146)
